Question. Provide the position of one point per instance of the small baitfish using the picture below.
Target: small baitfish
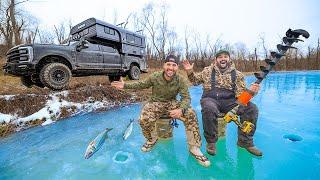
(96, 144)
(128, 131)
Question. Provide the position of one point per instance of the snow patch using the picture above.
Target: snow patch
(52, 109)
(6, 118)
(6, 97)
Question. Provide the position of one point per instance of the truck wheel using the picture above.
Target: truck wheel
(134, 73)
(26, 81)
(114, 78)
(55, 76)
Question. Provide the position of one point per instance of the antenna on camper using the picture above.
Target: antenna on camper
(139, 30)
(120, 24)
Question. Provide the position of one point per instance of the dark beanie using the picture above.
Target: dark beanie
(222, 51)
(172, 58)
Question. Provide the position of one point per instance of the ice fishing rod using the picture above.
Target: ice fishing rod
(292, 36)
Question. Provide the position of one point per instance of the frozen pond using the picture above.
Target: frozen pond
(289, 105)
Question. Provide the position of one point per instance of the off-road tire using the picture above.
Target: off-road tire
(55, 76)
(134, 73)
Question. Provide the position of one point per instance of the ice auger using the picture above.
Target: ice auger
(292, 36)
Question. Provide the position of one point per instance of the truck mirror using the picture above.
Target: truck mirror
(82, 45)
(85, 44)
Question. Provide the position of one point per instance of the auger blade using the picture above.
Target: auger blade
(281, 47)
(270, 62)
(276, 55)
(264, 69)
(288, 40)
(297, 32)
(258, 76)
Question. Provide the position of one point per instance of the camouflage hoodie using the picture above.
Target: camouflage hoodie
(223, 80)
(163, 90)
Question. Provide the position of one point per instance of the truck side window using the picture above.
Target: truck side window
(108, 49)
(93, 46)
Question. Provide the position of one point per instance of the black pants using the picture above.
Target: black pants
(211, 107)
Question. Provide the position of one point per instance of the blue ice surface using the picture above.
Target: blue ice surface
(288, 104)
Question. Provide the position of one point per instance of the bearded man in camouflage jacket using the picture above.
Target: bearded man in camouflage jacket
(166, 85)
(222, 84)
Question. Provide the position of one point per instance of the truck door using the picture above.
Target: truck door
(90, 58)
(111, 57)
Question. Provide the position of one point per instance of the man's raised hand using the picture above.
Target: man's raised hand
(186, 65)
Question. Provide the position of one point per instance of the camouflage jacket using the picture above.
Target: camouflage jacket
(223, 80)
(163, 90)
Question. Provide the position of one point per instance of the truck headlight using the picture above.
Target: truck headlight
(26, 53)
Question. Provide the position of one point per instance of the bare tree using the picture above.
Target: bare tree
(241, 51)
(115, 16)
(46, 37)
(263, 43)
(127, 21)
(255, 55)
(60, 32)
(229, 48)
(163, 29)
(31, 36)
(6, 28)
(148, 21)
(137, 25)
(215, 46)
(13, 22)
(186, 41)
(197, 43)
(172, 40)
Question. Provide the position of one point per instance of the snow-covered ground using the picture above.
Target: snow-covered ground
(52, 110)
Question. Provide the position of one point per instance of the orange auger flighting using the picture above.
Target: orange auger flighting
(292, 36)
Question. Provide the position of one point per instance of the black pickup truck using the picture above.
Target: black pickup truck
(94, 48)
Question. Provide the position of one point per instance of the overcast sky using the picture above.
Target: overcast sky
(233, 20)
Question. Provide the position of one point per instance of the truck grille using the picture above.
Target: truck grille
(19, 54)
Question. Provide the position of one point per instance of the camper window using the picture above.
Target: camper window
(138, 40)
(130, 38)
(112, 32)
(109, 31)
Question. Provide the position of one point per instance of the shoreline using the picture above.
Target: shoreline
(24, 111)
